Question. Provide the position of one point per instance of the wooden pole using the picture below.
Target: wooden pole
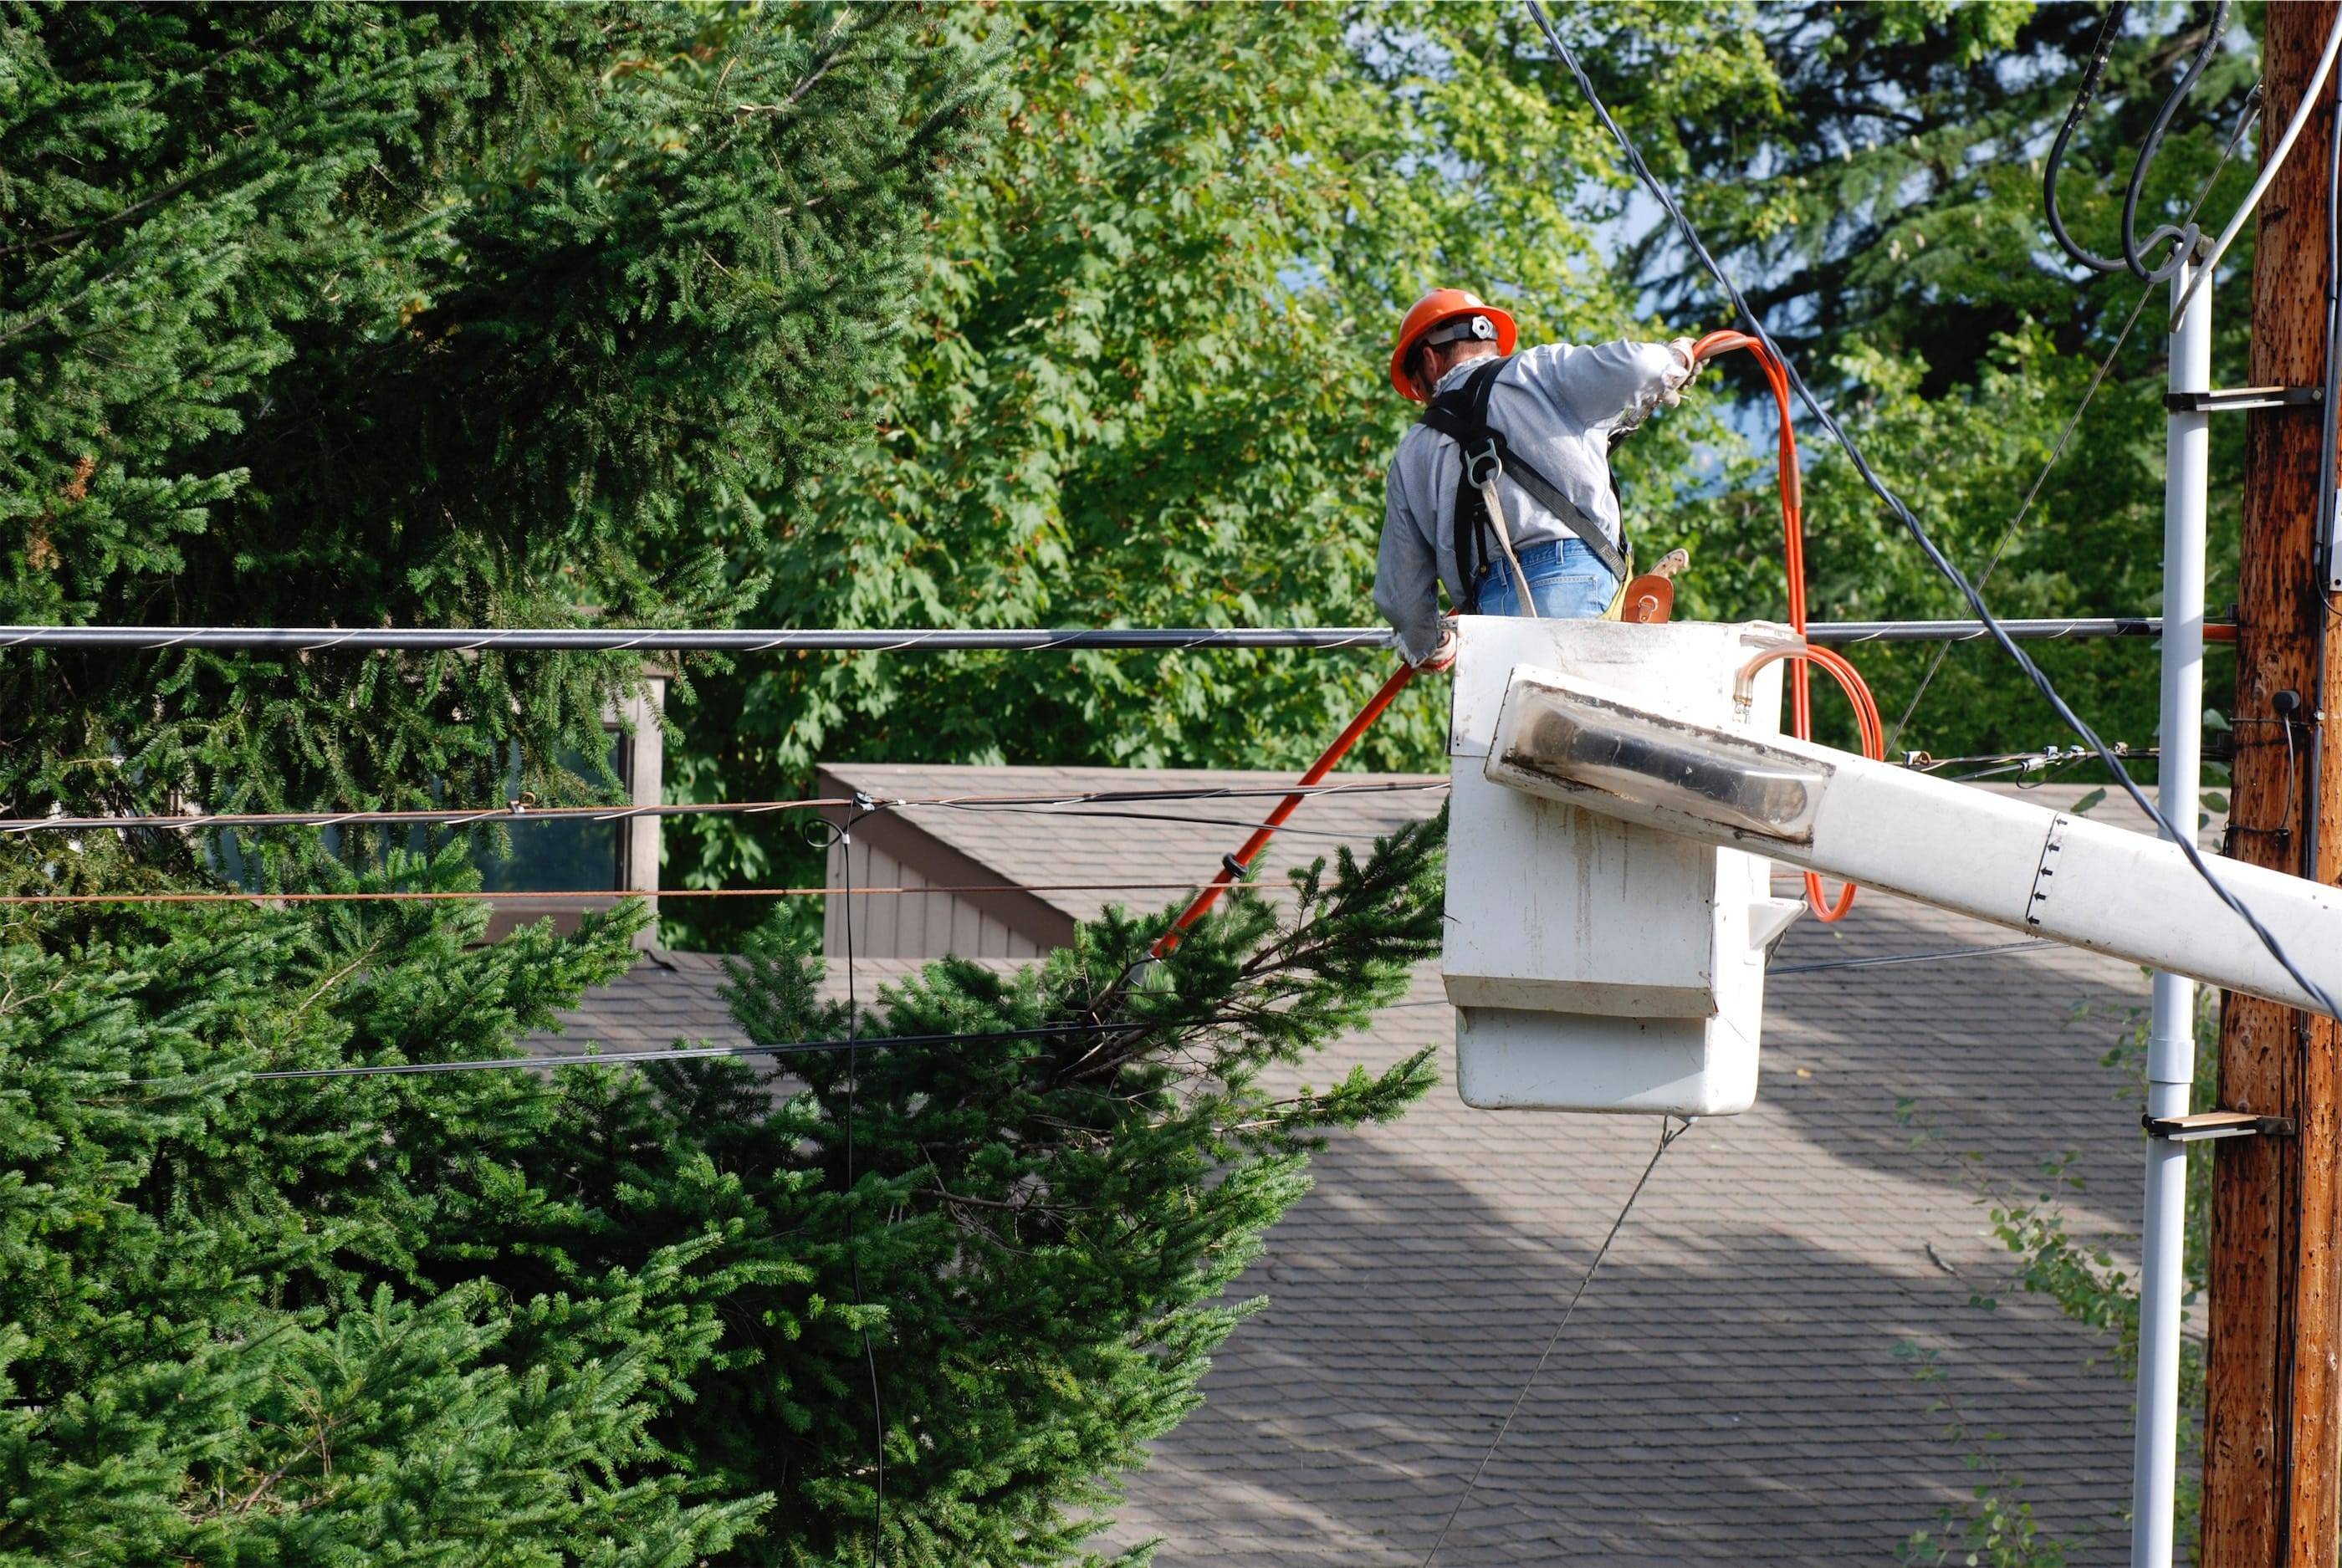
(2272, 1461)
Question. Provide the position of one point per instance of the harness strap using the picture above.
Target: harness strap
(1461, 414)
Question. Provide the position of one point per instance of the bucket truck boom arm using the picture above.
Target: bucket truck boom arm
(2045, 872)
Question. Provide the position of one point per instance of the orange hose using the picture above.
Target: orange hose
(1242, 860)
(1793, 529)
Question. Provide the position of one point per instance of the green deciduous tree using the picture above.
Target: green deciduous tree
(1875, 182)
(1143, 384)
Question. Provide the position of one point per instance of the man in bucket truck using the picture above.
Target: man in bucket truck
(1502, 489)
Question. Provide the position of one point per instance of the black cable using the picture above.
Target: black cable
(2091, 75)
(2183, 237)
(2186, 234)
(1920, 762)
(2041, 765)
(741, 640)
(1894, 958)
(2098, 379)
(1140, 816)
(705, 1053)
(1927, 546)
(2283, 828)
(522, 811)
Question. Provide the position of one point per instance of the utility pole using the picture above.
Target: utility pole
(2273, 1431)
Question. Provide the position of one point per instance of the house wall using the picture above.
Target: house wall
(890, 851)
(912, 926)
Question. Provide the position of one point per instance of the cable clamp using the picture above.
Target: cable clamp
(2234, 399)
(2205, 1125)
(1232, 866)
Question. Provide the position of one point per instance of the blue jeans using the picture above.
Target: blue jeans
(1570, 584)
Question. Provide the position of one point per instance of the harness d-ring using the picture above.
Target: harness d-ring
(1484, 467)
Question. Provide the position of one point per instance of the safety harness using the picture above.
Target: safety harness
(1461, 414)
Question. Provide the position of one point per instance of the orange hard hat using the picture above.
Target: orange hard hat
(1443, 305)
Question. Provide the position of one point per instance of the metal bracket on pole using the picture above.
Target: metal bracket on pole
(2208, 1124)
(2235, 399)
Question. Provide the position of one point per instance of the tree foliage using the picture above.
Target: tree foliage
(375, 315)
(1882, 200)
(246, 1322)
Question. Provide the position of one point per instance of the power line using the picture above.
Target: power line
(2106, 365)
(1667, 1137)
(598, 895)
(1927, 546)
(606, 639)
(2051, 629)
(1887, 960)
(719, 1053)
(524, 812)
(590, 640)
(2185, 236)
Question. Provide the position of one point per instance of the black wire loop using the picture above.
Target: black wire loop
(2134, 250)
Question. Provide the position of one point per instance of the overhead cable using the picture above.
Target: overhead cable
(2183, 237)
(523, 811)
(2186, 234)
(1926, 543)
(597, 895)
(2043, 629)
(1889, 960)
(612, 639)
(2098, 379)
(1667, 1136)
(718, 1052)
(604, 640)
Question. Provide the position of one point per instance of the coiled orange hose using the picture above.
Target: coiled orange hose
(1793, 529)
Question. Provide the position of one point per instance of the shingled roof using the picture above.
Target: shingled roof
(1742, 1381)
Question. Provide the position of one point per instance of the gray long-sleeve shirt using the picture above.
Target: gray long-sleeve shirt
(1558, 406)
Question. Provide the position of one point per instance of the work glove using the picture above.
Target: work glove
(1443, 654)
(1678, 375)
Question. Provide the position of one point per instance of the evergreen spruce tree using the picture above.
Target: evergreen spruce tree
(988, 1270)
(236, 1317)
(603, 1316)
(383, 314)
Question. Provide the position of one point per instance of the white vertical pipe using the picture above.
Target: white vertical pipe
(2171, 1035)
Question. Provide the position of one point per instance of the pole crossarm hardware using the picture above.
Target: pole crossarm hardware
(2237, 399)
(2206, 1126)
